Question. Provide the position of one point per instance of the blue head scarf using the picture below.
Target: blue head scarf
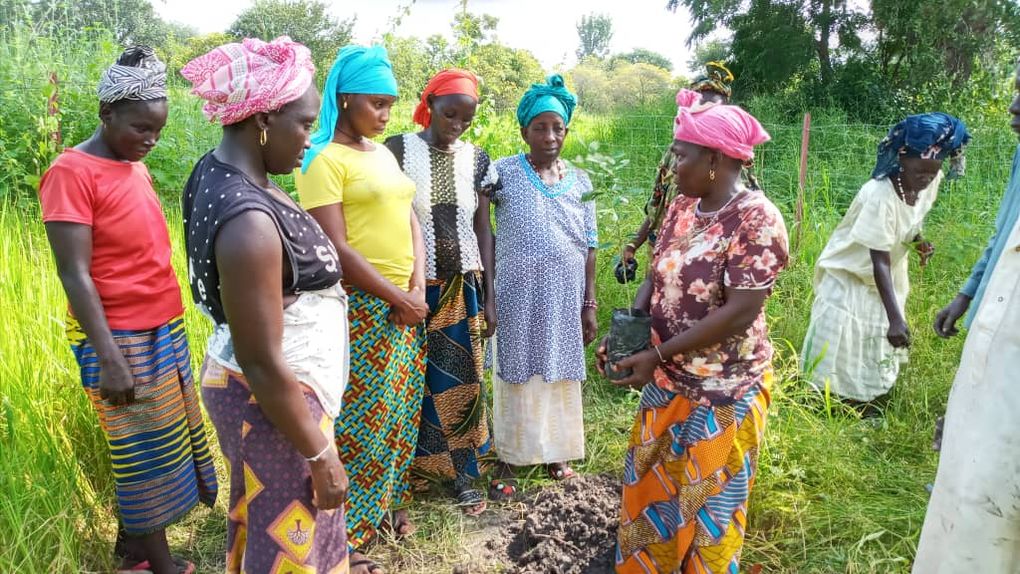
(357, 70)
(551, 96)
(929, 136)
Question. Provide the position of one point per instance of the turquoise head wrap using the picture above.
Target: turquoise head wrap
(552, 96)
(357, 70)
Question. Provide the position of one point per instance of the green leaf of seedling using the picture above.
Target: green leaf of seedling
(592, 195)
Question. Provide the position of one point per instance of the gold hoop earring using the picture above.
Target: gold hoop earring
(711, 175)
(263, 138)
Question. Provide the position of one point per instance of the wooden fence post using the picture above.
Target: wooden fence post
(805, 136)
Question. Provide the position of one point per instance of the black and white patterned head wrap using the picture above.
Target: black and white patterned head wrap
(138, 75)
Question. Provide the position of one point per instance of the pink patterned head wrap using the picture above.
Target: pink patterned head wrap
(726, 128)
(239, 80)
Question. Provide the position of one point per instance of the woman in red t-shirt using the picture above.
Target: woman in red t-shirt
(112, 249)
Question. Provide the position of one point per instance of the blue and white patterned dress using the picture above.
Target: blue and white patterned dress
(543, 235)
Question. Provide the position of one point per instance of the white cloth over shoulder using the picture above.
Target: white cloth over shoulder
(973, 520)
(847, 333)
(315, 345)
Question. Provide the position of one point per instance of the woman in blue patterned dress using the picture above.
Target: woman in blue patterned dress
(545, 291)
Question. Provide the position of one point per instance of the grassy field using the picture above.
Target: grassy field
(835, 493)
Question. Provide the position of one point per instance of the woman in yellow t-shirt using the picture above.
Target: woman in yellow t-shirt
(362, 199)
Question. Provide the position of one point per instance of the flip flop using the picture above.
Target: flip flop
(144, 567)
(139, 568)
(564, 472)
(472, 501)
(372, 566)
(502, 489)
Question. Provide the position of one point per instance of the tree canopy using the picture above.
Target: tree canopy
(594, 31)
(305, 21)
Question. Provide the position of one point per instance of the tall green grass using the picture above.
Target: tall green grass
(834, 494)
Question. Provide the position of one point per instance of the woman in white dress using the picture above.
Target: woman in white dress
(858, 335)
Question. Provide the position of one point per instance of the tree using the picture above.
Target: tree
(130, 21)
(195, 46)
(639, 84)
(595, 31)
(716, 50)
(472, 30)
(591, 84)
(771, 44)
(505, 73)
(828, 22)
(306, 21)
(922, 40)
(410, 67)
(642, 56)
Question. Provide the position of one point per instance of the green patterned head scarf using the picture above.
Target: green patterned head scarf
(717, 78)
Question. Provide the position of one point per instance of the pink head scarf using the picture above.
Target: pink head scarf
(726, 128)
(239, 80)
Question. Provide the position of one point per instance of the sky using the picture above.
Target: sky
(545, 27)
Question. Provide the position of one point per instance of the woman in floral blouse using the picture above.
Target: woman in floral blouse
(693, 449)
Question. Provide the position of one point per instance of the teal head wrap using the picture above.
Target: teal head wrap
(552, 96)
(357, 70)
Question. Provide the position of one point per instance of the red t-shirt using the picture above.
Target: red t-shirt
(130, 242)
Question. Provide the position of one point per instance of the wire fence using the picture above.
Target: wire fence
(840, 156)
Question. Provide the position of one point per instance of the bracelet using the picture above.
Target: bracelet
(590, 304)
(319, 456)
(632, 246)
(659, 353)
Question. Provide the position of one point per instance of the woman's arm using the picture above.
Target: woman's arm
(487, 249)
(638, 240)
(416, 287)
(898, 334)
(357, 270)
(643, 297)
(420, 257)
(589, 321)
(734, 317)
(250, 262)
(72, 250)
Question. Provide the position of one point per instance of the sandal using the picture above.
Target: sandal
(472, 501)
(502, 489)
(137, 568)
(143, 567)
(560, 472)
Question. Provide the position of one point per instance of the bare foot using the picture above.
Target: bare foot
(398, 523)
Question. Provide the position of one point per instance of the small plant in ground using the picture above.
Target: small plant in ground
(629, 328)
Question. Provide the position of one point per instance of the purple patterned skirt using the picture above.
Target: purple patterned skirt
(272, 525)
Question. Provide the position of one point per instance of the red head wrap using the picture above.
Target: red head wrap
(451, 81)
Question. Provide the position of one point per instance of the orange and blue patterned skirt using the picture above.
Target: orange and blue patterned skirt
(687, 477)
(377, 430)
(158, 448)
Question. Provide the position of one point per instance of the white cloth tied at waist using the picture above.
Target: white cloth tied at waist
(315, 344)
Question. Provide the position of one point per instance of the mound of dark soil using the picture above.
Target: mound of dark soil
(565, 529)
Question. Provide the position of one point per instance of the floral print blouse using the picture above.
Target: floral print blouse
(743, 245)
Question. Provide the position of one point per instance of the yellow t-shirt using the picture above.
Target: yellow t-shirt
(376, 197)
